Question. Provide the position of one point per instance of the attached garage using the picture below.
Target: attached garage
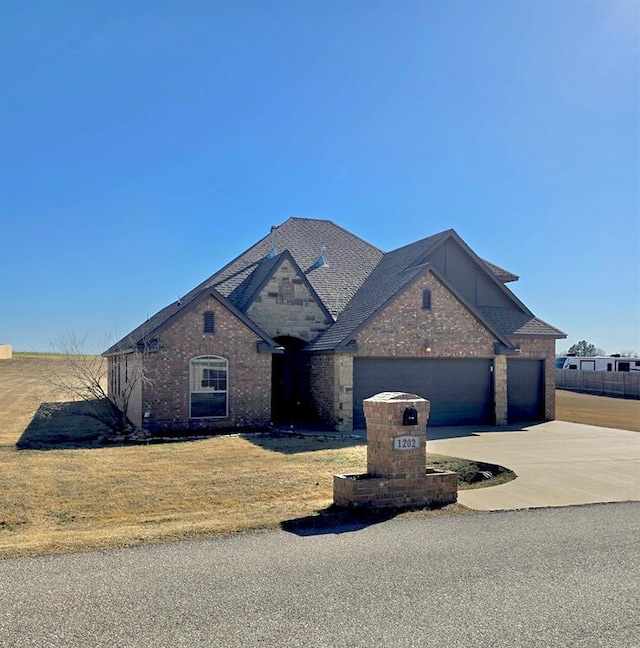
(525, 390)
(460, 390)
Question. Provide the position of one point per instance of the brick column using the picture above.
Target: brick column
(397, 473)
(384, 415)
(343, 392)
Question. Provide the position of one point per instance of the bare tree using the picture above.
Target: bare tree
(78, 375)
(629, 353)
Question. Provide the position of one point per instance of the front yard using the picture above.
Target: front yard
(70, 499)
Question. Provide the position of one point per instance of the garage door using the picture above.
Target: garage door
(525, 390)
(460, 391)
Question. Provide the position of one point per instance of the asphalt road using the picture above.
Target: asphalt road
(544, 577)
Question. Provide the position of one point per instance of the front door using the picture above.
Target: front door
(290, 383)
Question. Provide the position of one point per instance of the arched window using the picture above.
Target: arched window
(426, 299)
(209, 387)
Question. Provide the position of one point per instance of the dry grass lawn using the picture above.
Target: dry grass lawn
(75, 499)
(62, 500)
(623, 414)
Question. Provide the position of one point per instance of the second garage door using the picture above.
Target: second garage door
(460, 391)
(525, 390)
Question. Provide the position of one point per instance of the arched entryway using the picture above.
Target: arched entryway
(290, 402)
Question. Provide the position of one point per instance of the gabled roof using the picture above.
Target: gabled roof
(510, 321)
(399, 268)
(354, 281)
(255, 283)
(504, 275)
(349, 261)
(391, 275)
(153, 326)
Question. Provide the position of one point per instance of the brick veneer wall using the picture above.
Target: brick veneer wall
(322, 387)
(542, 349)
(403, 327)
(292, 311)
(249, 378)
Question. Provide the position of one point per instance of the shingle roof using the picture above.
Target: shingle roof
(502, 274)
(395, 270)
(242, 293)
(510, 321)
(357, 280)
(146, 331)
(398, 268)
(349, 259)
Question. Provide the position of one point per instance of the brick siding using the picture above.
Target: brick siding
(322, 387)
(249, 377)
(395, 477)
(446, 330)
(403, 328)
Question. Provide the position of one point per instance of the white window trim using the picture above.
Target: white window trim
(191, 390)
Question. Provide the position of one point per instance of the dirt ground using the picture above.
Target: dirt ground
(602, 411)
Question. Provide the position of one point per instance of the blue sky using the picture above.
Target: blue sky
(143, 145)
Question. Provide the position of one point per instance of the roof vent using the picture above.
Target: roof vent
(274, 242)
(321, 262)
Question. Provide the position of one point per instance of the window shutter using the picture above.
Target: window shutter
(209, 322)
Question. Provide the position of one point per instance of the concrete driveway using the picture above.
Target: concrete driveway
(557, 463)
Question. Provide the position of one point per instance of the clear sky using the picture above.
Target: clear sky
(143, 145)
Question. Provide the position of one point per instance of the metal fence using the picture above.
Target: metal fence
(604, 383)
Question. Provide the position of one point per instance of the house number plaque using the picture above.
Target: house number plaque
(406, 442)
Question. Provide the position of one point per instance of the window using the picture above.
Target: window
(426, 299)
(209, 322)
(209, 387)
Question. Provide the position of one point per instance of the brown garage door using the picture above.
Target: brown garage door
(460, 390)
(525, 390)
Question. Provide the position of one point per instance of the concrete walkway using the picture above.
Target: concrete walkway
(557, 463)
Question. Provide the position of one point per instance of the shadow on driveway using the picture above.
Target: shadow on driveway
(334, 520)
(459, 432)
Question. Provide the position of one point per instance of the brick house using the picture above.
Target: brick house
(311, 320)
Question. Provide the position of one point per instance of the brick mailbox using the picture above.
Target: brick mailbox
(397, 474)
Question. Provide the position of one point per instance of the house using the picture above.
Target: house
(311, 320)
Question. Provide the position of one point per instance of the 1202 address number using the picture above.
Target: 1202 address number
(407, 442)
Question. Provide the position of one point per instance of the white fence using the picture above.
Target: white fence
(604, 383)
